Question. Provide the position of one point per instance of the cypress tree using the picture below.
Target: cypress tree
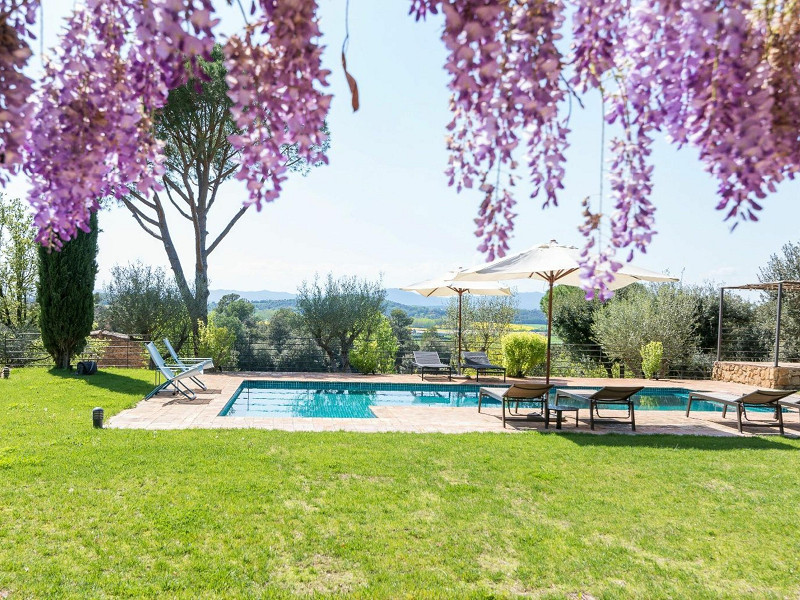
(66, 295)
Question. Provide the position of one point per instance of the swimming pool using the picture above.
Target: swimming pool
(342, 400)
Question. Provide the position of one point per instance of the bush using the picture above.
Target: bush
(375, 351)
(652, 355)
(523, 352)
(570, 362)
(217, 342)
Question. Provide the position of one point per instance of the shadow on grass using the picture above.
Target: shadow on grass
(113, 382)
(679, 442)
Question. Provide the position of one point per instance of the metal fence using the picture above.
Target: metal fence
(26, 349)
(302, 354)
(751, 344)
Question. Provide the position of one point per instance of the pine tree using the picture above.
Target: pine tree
(66, 295)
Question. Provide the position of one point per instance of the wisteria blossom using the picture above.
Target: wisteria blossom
(275, 85)
(722, 78)
(16, 19)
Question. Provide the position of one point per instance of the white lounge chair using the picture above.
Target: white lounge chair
(205, 363)
(173, 379)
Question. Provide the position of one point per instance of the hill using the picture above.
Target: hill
(215, 295)
(425, 311)
(525, 300)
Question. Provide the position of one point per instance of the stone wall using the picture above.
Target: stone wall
(119, 350)
(762, 375)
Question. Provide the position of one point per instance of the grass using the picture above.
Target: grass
(247, 513)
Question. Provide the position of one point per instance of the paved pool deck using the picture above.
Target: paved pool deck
(166, 411)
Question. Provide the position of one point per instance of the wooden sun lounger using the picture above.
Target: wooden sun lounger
(608, 396)
(526, 393)
(791, 403)
(759, 398)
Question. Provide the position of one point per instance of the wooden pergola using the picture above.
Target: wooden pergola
(769, 286)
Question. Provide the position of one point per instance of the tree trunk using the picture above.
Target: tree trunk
(62, 360)
(344, 364)
(196, 301)
(326, 349)
(201, 255)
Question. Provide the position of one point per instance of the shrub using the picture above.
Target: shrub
(522, 352)
(652, 355)
(569, 362)
(217, 342)
(374, 352)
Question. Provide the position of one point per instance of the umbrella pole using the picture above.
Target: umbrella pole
(458, 357)
(549, 329)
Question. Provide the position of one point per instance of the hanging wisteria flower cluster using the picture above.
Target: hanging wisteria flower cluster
(16, 19)
(91, 133)
(275, 88)
(722, 77)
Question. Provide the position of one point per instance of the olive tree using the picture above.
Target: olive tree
(660, 313)
(338, 311)
(141, 299)
(484, 321)
(746, 334)
(374, 351)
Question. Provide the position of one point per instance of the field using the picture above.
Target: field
(261, 514)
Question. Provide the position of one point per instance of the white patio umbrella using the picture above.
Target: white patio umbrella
(552, 263)
(445, 287)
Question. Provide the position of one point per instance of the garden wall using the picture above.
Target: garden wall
(119, 350)
(786, 376)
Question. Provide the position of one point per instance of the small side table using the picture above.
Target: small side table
(559, 411)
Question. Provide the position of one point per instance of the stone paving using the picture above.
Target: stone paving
(165, 411)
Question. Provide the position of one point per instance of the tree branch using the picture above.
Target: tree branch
(135, 193)
(137, 212)
(227, 229)
(218, 182)
(184, 214)
(147, 229)
(141, 218)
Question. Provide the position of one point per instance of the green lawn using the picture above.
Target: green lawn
(104, 513)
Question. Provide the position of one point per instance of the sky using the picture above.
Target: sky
(382, 207)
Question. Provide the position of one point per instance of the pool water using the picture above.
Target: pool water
(355, 400)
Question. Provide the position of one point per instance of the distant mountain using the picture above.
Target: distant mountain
(526, 300)
(413, 298)
(215, 295)
(529, 300)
